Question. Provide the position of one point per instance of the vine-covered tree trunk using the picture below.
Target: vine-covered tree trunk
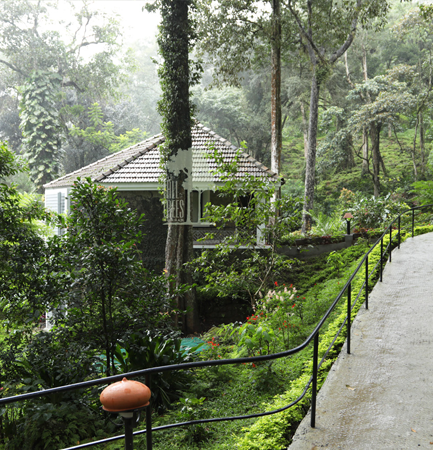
(40, 126)
(276, 125)
(175, 108)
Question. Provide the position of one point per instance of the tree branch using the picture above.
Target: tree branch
(304, 33)
(12, 67)
(73, 84)
(337, 54)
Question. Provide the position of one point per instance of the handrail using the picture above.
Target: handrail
(314, 335)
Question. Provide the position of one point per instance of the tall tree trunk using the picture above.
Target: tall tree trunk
(310, 168)
(364, 169)
(175, 108)
(375, 154)
(413, 152)
(304, 130)
(276, 129)
(422, 142)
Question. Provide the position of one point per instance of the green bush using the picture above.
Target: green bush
(423, 191)
(142, 350)
(371, 212)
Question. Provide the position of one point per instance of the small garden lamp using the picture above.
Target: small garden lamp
(348, 216)
(126, 397)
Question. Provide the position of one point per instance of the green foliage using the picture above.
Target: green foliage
(371, 212)
(291, 211)
(335, 260)
(191, 408)
(108, 290)
(245, 260)
(56, 420)
(141, 350)
(25, 275)
(423, 191)
(327, 224)
(92, 282)
(277, 310)
(40, 126)
(102, 133)
(393, 95)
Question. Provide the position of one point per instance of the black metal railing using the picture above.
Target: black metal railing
(313, 337)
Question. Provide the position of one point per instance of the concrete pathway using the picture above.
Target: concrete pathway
(381, 395)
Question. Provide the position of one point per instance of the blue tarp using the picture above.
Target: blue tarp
(188, 343)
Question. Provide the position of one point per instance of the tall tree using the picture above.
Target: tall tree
(175, 39)
(32, 46)
(276, 124)
(389, 97)
(242, 36)
(327, 30)
(416, 28)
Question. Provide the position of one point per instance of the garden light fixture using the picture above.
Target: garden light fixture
(126, 397)
(348, 216)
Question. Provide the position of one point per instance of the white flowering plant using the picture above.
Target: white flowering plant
(278, 309)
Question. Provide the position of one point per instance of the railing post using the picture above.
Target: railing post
(413, 222)
(148, 417)
(399, 238)
(314, 393)
(366, 282)
(381, 259)
(129, 432)
(349, 305)
(390, 242)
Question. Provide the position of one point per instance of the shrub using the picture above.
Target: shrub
(371, 212)
(142, 350)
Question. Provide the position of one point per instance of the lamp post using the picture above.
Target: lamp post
(348, 216)
(126, 397)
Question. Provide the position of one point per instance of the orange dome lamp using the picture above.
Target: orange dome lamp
(126, 397)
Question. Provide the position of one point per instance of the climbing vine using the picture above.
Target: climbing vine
(176, 38)
(40, 126)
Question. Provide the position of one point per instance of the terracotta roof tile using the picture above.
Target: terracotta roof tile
(140, 163)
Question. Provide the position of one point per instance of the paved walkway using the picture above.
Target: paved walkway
(381, 395)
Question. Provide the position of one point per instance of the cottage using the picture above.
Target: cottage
(135, 172)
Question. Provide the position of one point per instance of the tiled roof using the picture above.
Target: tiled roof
(140, 163)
